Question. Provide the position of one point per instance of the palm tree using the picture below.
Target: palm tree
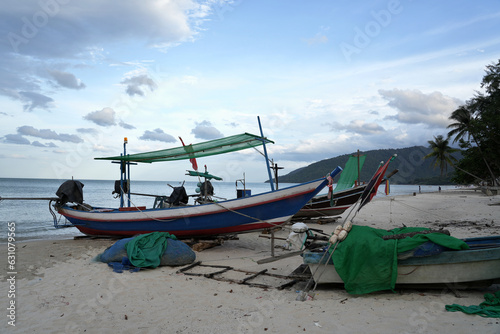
(464, 126)
(463, 117)
(441, 152)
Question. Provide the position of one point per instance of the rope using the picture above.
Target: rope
(245, 215)
(417, 209)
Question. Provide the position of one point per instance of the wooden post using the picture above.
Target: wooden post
(272, 242)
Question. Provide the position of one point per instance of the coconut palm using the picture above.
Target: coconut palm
(463, 119)
(441, 152)
(464, 125)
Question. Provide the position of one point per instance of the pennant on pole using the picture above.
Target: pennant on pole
(371, 189)
(193, 160)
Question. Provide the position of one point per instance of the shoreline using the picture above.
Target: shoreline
(60, 289)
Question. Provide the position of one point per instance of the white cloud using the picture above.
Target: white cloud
(136, 84)
(16, 139)
(27, 130)
(34, 100)
(38, 34)
(205, 130)
(66, 79)
(158, 135)
(104, 117)
(414, 106)
(358, 127)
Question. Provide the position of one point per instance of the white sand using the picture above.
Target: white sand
(60, 290)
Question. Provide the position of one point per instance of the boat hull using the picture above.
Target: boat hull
(227, 217)
(320, 206)
(479, 264)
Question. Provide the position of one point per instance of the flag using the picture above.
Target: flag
(371, 190)
(193, 160)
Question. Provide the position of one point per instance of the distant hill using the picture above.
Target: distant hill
(413, 168)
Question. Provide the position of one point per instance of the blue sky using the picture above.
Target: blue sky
(326, 78)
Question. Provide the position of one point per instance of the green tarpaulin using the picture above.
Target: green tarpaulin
(368, 263)
(490, 308)
(145, 250)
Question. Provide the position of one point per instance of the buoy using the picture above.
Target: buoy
(299, 228)
(333, 239)
(337, 230)
(347, 225)
(342, 235)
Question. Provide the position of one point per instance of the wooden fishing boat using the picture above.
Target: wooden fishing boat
(210, 217)
(479, 264)
(322, 206)
(343, 196)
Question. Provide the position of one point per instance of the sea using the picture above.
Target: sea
(31, 219)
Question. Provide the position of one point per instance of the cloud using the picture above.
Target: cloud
(87, 130)
(27, 130)
(16, 139)
(38, 35)
(136, 84)
(358, 127)
(415, 107)
(104, 117)
(205, 130)
(66, 79)
(126, 126)
(35, 100)
(157, 135)
(38, 144)
(63, 34)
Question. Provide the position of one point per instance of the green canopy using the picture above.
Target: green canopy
(350, 172)
(212, 147)
(205, 175)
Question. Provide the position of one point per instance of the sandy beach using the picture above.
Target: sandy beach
(59, 289)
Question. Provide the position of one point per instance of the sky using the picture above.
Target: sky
(325, 77)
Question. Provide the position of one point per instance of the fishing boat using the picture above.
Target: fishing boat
(346, 193)
(478, 264)
(338, 203)
(366, 259)
(207, 217)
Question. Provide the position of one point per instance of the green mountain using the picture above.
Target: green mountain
(413, 168)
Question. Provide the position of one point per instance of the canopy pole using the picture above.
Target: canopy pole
(123, 173)
(265, 155)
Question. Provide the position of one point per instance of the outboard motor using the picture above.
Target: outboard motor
(70, 191)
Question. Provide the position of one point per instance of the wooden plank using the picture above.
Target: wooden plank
(182, 270)
(252, 276)
(279, 257)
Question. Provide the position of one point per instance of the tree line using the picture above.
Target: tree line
(475, 126)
